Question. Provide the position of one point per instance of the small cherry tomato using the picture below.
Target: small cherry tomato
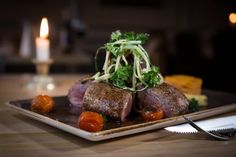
(42, 104)
(152, 115)
(90, 121)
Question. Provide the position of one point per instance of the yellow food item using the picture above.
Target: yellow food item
(202, 99)
(185, 83)
(191, 86)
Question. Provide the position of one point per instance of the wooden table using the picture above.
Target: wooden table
(22, 136)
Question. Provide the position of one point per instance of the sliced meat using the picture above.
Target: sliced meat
(108, 100)
(171, 100)
(76, 93)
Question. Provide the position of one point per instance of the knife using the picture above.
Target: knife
(215, 124)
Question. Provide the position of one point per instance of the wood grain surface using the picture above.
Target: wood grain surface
(22, 136)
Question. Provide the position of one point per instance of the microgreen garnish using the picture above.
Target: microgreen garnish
(152, 77)
(127, 64)
(122, 75)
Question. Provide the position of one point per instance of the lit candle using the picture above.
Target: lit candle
(42, 43)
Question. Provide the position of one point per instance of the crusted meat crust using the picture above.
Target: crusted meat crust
(108, 100)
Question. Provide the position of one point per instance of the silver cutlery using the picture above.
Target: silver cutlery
(223, 134)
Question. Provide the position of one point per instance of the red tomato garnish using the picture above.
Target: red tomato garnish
(42, 104)
(90, 121)
(152, 115)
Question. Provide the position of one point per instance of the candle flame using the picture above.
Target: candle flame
(44, 28)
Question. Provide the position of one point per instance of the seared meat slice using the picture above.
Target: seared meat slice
(76, 93)
(164, 96)
(108, 100)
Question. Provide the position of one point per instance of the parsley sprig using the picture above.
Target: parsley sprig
(193, 105)
(127, 64)
(122, 75)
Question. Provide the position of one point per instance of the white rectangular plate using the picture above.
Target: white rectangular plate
(63, 119)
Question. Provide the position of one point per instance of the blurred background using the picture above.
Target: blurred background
(196, 37)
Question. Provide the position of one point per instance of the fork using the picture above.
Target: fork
(214, 134)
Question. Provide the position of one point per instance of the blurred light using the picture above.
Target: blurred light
(232, 18)
(50, 86)
(44, 28)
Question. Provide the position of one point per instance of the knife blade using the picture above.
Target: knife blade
(215, 124)
(230, 132)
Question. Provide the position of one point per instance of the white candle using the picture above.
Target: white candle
(42, 43)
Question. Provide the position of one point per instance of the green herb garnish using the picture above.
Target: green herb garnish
(105, 119)
(193, 105)
(127, 64)
(122, 75)
(152, 77)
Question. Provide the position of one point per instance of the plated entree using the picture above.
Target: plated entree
(127, 84)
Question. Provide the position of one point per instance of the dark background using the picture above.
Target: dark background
(186, 37)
